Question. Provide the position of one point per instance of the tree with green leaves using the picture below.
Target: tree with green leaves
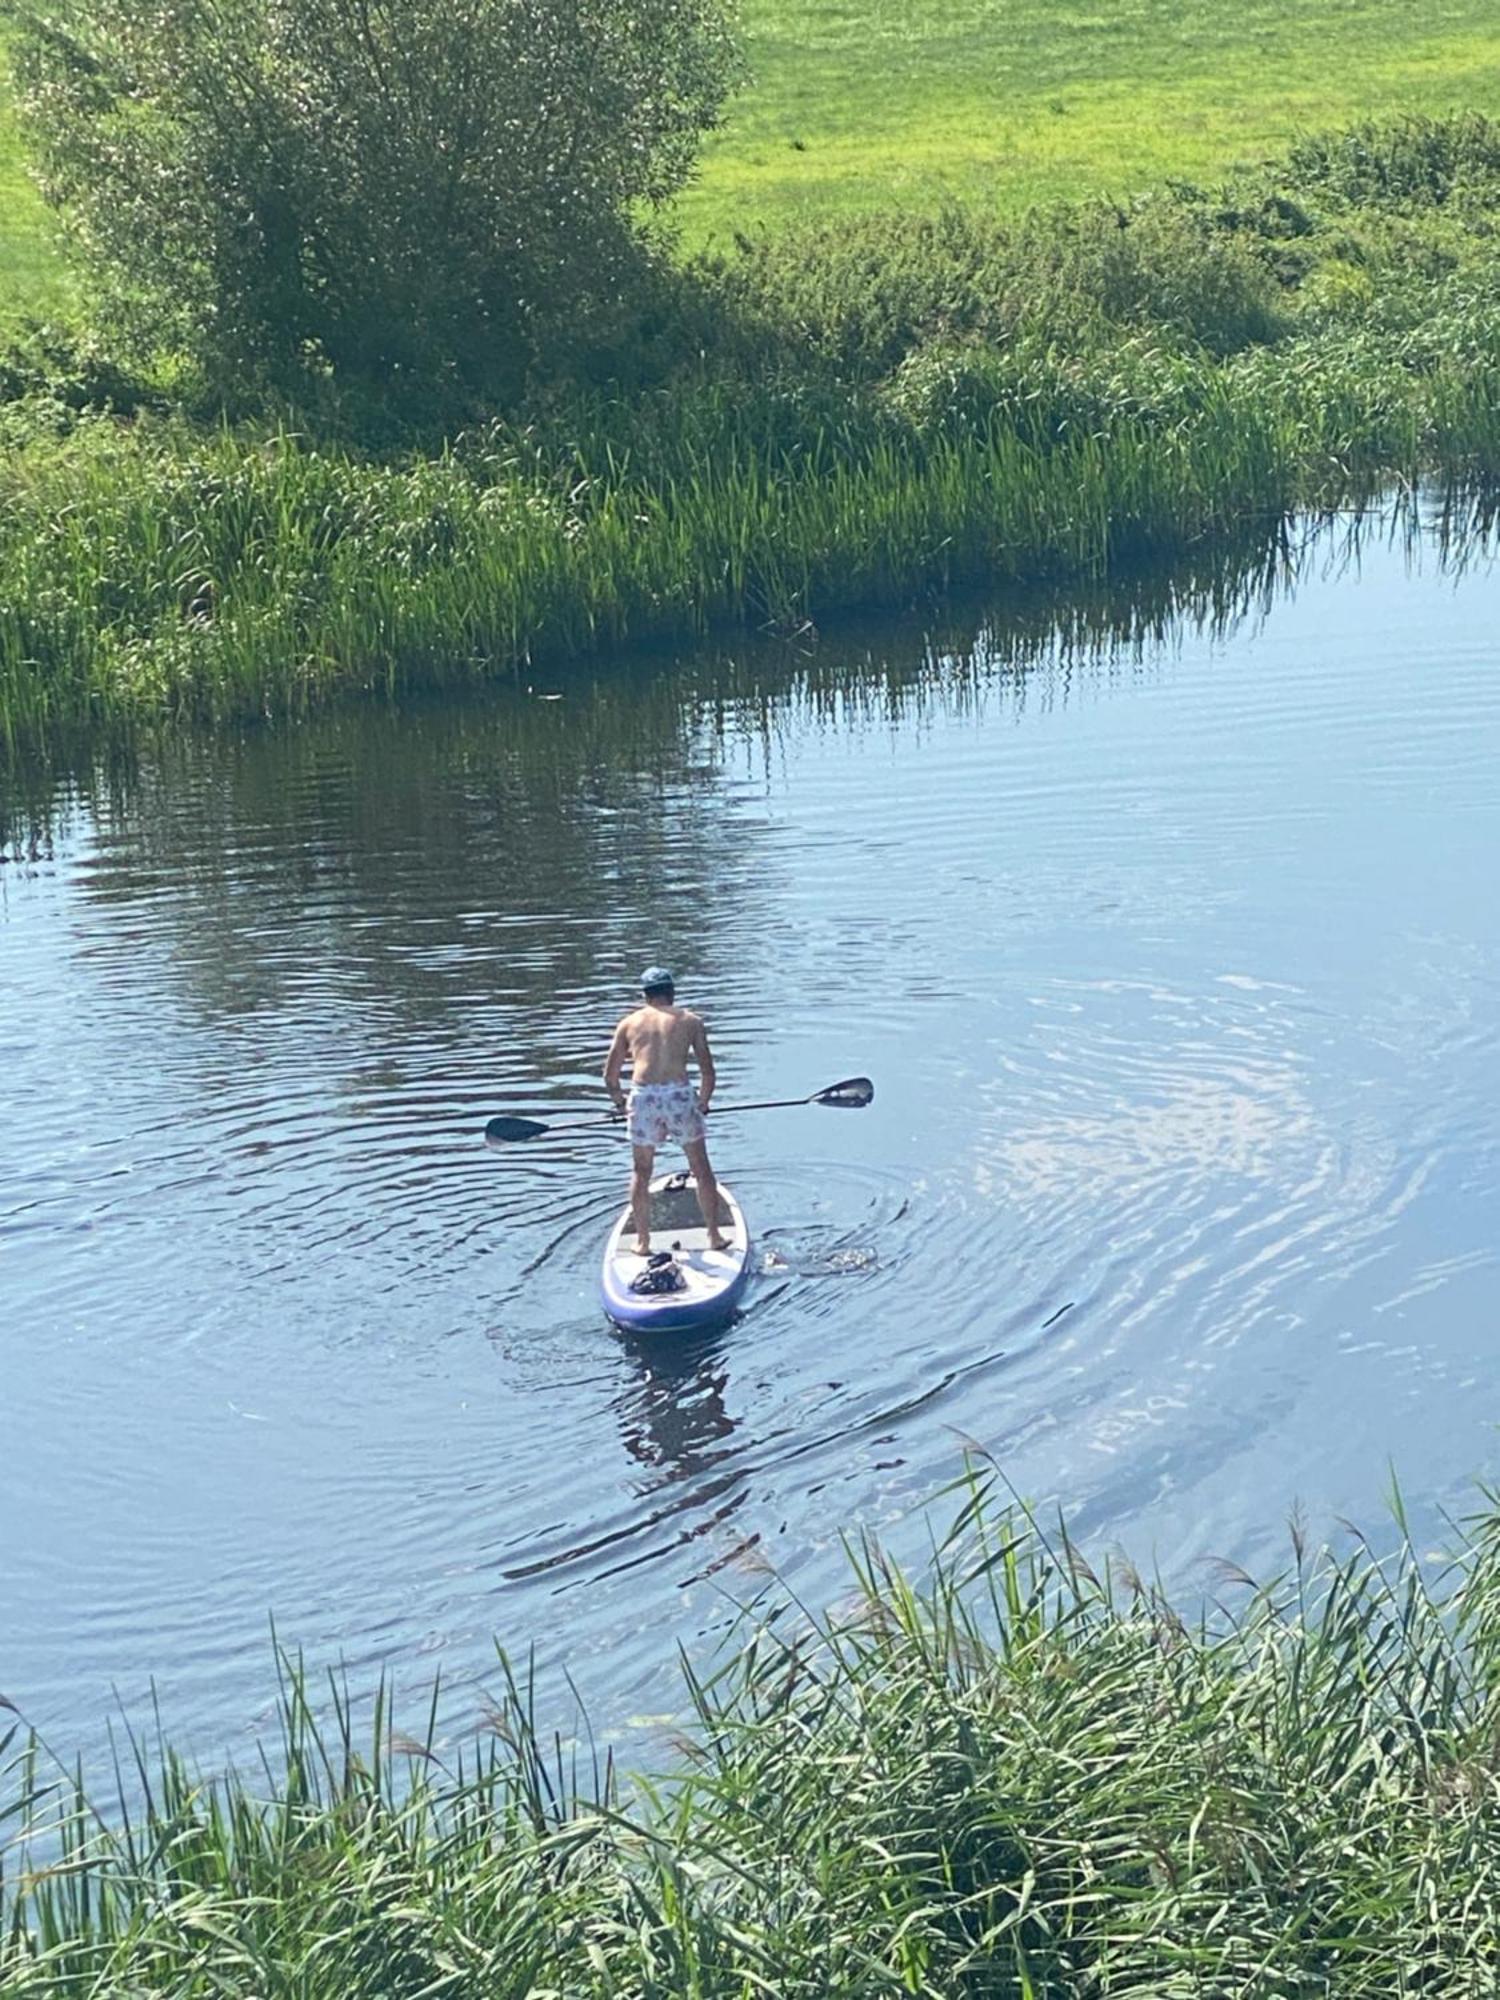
(371, 186)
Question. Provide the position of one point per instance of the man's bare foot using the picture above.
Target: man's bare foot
(717, 1242)
(643, 1249)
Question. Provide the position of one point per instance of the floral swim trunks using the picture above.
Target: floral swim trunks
(660, 1112)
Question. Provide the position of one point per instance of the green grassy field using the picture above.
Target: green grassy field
(861, 104)
(31, 275)
(864, 104)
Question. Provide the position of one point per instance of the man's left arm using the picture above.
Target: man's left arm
(708, 1076)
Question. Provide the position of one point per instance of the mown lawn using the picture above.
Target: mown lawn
(860, 104)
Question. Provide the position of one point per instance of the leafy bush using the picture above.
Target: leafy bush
(864, 294)
(371, 185)
(1417, 162)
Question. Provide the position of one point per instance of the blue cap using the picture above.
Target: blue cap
(656, 975)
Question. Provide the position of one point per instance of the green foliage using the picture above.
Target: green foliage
(866, 293)
(831, 420)
(913, 103)
(1016, 1778)
(1413, 162)
(371, 185)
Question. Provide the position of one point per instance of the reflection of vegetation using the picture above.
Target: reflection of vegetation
(503, 773)
(1016, 1779)
(540, 834)
(573, 781)
(485, 859)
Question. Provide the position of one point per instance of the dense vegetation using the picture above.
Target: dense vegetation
(849, 413)
(913, 102)
(432, 188)
(1016, 1780)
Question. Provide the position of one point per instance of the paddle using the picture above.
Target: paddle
(851, 1095)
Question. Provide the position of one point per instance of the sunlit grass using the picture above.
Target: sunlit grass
(210, 577)
(896, 409)
(865, 104)
(32, 277)
(862, 105)
(1012, 1779)
(880, 409)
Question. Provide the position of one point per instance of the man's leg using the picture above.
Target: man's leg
(643, 1158)
(707, 1186)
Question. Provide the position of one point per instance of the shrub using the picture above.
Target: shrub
(1415, 162)
(862, 295)
(368, 185)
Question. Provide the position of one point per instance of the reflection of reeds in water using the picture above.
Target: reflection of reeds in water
(1019, 1777)
(661, 716)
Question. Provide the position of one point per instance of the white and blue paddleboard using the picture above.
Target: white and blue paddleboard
(712, 1280)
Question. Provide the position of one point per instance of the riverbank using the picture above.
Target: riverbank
(849, 416)
(1018, 1778)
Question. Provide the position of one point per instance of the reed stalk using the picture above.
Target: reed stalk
(1013, 1776)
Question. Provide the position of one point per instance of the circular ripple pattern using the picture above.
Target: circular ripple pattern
(1175, 956)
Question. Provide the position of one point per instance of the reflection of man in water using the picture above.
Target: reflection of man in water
(674, 1420)
(658, 1040)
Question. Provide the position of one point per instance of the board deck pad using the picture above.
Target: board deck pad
(675, 1208)
(714, 1279)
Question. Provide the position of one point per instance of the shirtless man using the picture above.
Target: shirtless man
(657, 1040)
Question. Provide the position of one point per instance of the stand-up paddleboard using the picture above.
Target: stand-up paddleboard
(712, 1281)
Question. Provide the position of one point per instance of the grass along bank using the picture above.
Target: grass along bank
(1018, 1779)
(852, 415)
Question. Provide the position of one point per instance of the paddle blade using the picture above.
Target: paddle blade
(500, 1129)
(853, 1094)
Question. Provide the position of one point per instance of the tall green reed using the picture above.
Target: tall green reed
(171, 573)
(1015, 1776)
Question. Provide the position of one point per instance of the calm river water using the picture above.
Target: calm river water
(1170, 937)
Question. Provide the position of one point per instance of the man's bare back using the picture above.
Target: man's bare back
(657, 1042)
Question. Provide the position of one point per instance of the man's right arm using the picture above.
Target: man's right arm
(619, 1049)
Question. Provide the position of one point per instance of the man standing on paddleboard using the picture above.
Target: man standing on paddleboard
(658, 1040)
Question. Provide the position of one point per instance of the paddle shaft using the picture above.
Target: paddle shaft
(618, 1117)
(534, 1128)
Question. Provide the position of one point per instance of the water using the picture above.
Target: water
(1172, 944)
